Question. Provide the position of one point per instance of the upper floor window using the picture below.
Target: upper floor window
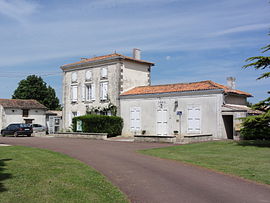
(74, 77)
(74, 93)
(88, 75)
(104, 72)
(104, 91)
(25, 112)
(90, 92)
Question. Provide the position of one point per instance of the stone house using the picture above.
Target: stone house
(21, 111)
(95, 84)
(195, 109)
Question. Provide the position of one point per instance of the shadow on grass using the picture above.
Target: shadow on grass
(257, 143)
(3, 176)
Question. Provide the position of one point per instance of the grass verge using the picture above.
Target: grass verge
(37, 175)
(246, 159)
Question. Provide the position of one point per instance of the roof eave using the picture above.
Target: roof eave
(68, 66)
(172, 93)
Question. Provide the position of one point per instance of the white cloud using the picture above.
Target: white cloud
(17, 9)
(244, 28)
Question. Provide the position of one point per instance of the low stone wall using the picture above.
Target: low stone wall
(194, 138)
(154, 138)
(95, 136)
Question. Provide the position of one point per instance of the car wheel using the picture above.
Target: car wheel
(15, 134)
(29, 135)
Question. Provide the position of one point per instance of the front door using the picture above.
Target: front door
(162, 123)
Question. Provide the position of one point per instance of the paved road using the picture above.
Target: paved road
(147, 179)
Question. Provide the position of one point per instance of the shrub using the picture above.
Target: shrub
(256, 127)
(99, 124)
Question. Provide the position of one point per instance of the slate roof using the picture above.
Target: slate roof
(109, 56)
(21, 103)
(183, 87)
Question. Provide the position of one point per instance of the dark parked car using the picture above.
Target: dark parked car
(17, 129)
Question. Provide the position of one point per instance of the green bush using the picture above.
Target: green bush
(112, 125)
(256, 127)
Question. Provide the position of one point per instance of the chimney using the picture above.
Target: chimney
(136, 53)
(231, 82)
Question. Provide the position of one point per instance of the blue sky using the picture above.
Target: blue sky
(189, 40)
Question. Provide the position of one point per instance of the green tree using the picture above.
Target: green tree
(33, 87)
(258, 127)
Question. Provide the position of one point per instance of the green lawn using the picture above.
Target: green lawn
(36, 175)
(245, 160)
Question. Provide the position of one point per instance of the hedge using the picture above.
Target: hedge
(256, 127)
(112, 125)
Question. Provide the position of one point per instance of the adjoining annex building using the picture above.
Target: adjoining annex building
(197, 109)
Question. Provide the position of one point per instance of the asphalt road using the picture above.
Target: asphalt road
(148, 179)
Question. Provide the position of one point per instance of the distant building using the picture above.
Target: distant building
(193, 109)
(21, 111)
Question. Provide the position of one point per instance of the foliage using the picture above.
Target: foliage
(260, 63)
(256, 127)
(262, 105)
(29, 175)
(250, 162)
(102, 109)
(99, 124)
(33, 87)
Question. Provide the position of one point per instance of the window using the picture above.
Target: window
(74, 93)
(90, 92)
(74, 77)
(25, 112)
(103, 91)
(88, 75)
(104, 73)
(194, 119)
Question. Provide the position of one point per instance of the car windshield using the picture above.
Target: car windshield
(24, 125)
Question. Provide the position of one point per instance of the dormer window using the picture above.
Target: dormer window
(74, 77)
(88, 75)
(104, 73)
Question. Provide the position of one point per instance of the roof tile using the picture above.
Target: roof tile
(21, 103)
(182, 87)
(98, 58)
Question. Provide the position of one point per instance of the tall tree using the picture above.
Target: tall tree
(257, 127)
(261, 63)
(33, 87)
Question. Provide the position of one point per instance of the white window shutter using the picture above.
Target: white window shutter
(83, 92)
(74, 93)
(93, 92)
(105, 91)
(101, 91)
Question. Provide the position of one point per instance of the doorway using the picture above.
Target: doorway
(228, 124)
(162, 128)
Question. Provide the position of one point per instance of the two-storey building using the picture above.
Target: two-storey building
(95, 84)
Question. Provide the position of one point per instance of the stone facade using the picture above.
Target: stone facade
(121, 74)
